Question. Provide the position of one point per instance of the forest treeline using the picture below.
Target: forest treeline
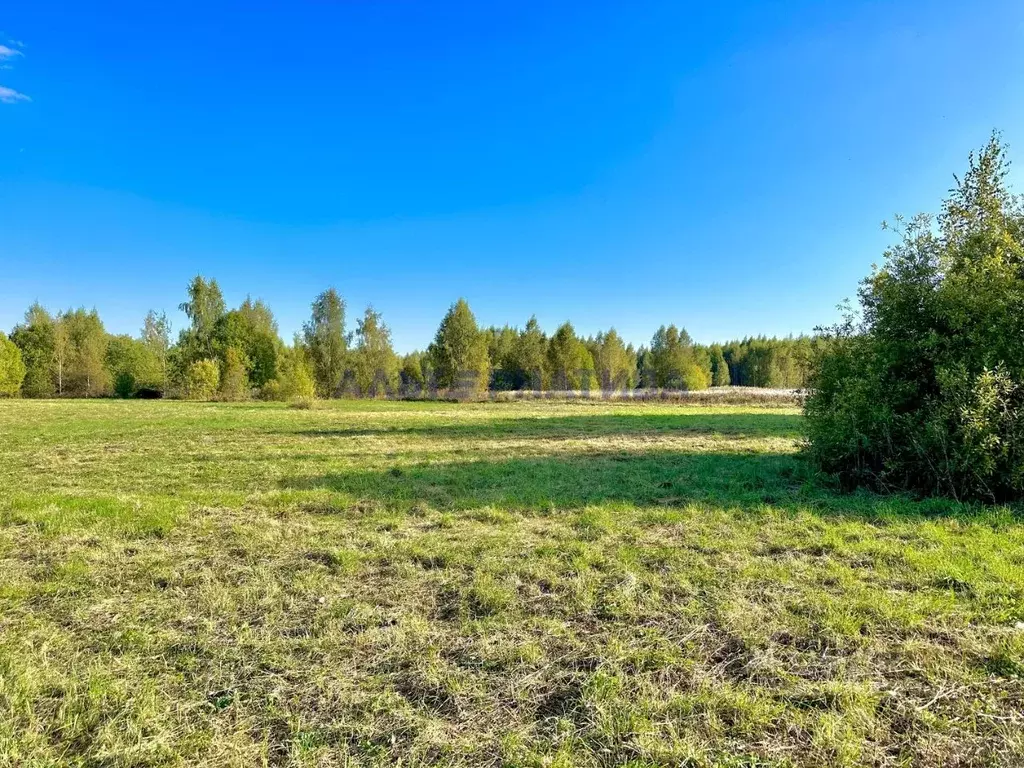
(237, 354)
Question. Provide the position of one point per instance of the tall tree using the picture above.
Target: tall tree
(324, 337)
(132, 364)
(569, 362)
(501, 343)
(528, 356)
(374, 363)
(251, 331)
(612, 361)
(36, 338)
(673, 362)
(719, 368)
(204, 308)
(156, 337)
(86, 372)
(459, 351)
(62, 352)
(258, 316)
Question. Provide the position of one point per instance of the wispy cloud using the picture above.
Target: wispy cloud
(8, 53)
(11, 96)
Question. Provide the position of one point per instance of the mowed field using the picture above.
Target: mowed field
(523, 584)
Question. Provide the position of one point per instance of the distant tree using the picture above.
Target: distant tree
(771, 362)
(85, 373)
(12, 368)
(719, 368)
(204, 308)
(569, 363)
(258, 316)
(202, 380)
(301, 385)
(501, 343)
(156, 337)
(62, 352)
(324, 337)
(35, 337)
(633, 356)
(294, 378)
(131, 365)
(697, 375)
(673, 362)
(252, 332)
(459, 352)
(529, 355)
(234, 383)
(374, 363)
(645, 369)
(412, 377)
(613, 362)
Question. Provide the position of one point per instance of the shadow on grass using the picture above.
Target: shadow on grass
(782, 425)
(748, 482)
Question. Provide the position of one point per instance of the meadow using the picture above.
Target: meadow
(490, 584)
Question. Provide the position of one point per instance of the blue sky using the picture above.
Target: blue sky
(721, 166)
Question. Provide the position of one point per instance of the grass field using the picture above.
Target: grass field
(523, 584)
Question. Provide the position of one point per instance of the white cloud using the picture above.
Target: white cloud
(11, 96)
(7, 54)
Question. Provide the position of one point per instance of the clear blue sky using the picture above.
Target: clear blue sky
(721, 166)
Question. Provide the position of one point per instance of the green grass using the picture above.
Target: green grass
(524, 584)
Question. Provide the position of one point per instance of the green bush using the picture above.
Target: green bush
(922, 390)
(234, 382)
(301, 388)
(294, 382)
(202, 380)
(124, 384)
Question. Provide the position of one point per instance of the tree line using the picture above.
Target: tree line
(237, 354)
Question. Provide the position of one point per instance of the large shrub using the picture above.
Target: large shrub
(202, 380)
(922, 390)
(294, 381)
(234, 383)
